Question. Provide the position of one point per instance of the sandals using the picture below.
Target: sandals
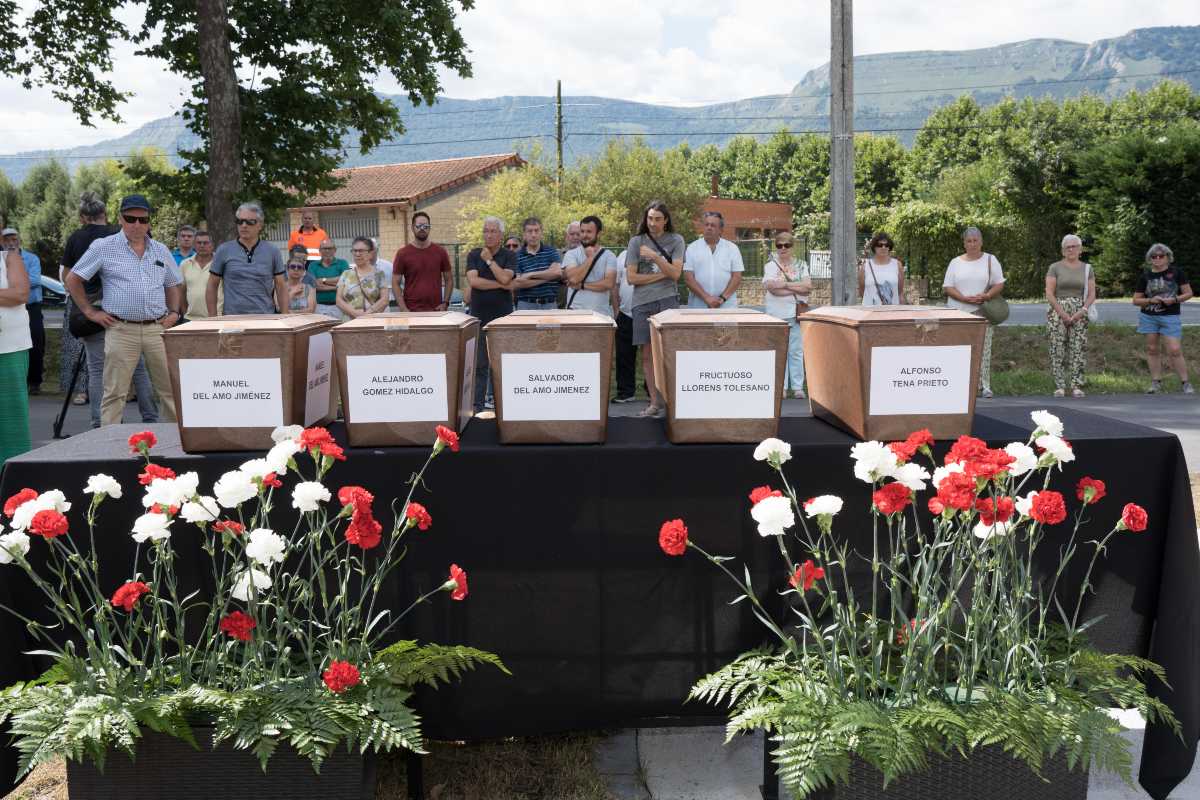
(652, 411)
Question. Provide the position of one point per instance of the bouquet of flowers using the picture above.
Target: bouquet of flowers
(286, 649)
(953, 641)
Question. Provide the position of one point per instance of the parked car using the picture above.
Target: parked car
(54, 294)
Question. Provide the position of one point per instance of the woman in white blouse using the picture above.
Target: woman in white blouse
(15, 343)
(972, 279)
(880, 275)
(788, 286)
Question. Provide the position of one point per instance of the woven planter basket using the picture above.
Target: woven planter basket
(989, 774)
(170, 768)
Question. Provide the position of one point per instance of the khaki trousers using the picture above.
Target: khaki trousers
(124, 344)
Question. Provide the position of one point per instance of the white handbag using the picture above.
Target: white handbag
(1093, 313)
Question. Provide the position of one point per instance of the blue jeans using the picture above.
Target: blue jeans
(795, 356)
(529, 305)
(94, 345)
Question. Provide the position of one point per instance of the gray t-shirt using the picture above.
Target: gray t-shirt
(248, 276)
(600, 302)
(673, 245)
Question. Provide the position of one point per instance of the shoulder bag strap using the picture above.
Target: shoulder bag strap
(659, 247)
(875, 280)
(595, 258)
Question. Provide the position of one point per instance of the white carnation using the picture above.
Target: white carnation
(202, 509)
(103, 484)
(911, 475)
(266, 547)
(873, 461)
(1024, 504)
(53, 500)
(1047, 423)
(256, 468)
(940, 473)
(1026, 459)
(774, 451)
(241, 584)
(152, 526)
(825, 504)
(168, 492)
(234, 488)
(309, 495)
(286, 433)
(985, 531)
(12, 545)
(1057, 449)
(278, 456)
(773, 515)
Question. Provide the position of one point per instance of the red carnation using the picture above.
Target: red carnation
(806, 575)
(332, 450)
(459, 576)
(17, 500)
(356, 496)
(988, 465)
(673, 537)
(904, 450)
(238, 625)
(364, 531)
(270, 480)
(1004, 508)
(967, 448)
(892, 498)
(153, 472)
(229, 526)
(417, 515)
(957, 490)
(1096, 487)
(141, 442)
(763, 492)
(314, 437)
(48, 523)
(1048, 507)
(128, 595)
(159, 508)
(340, 676)
(1134, 517)
(446, 438)
(936, 506)
(921, 438)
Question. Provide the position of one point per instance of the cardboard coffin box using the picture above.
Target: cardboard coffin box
(236, 378)
(721, 371)
(552, 371)
(403, 374)
(882, 372)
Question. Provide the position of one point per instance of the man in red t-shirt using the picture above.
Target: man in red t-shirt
(423, 269)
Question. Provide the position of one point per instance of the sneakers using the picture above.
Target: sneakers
(652, 411)
(623, 399)
(1059, 393)
(985, 393)
(1187, 388)
(489, 405)
(1077, 392)
(1155, 387)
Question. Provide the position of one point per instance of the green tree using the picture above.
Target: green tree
(279, 84)
(46, 210)
(9, 205)
(951, 136)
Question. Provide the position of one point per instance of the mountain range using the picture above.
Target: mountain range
(894, 93)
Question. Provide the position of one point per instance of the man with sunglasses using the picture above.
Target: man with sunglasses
(250, 269)
(143, 296)
(421, 277)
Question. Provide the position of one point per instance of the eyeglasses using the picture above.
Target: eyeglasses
(513, 246)
(784, 245)
(241, 221)
(1152, 255)
(358, 251)
(296, 266)
(424, 226)
(132, 220)
(888, 245)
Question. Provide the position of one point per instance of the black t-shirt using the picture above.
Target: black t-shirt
(78, 243)
(488, 304)
(1161, 284)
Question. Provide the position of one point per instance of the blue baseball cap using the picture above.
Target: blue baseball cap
(135, 201)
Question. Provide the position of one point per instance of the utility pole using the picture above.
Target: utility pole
(558, 135)
(843, 232)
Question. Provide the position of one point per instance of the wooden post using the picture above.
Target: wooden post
(559, 135)
(843, 232)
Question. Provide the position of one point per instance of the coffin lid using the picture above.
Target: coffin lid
(713, 317)
(566, 318)
(855, 316)
(405, 320)
(254, 323)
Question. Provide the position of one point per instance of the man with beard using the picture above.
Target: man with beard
(421, 278)
(590, 271)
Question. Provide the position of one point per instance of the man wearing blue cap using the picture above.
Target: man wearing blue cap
(143, 296)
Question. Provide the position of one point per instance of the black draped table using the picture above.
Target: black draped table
(600, 629)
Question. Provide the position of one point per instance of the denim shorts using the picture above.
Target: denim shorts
(642, 315)
(1165, 324)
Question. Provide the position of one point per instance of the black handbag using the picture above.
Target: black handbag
(78, 324)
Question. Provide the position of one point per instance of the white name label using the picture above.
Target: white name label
(397, 388)
(231, 392)
(724, 384)
(466, 400)
(920, 380)
(556, 387)
(319, 377)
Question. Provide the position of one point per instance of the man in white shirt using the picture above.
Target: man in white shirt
(712, 267)
(590, 271)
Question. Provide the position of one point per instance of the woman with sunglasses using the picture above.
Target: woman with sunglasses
(301, 297)
(788, 285)
(880, 275)
(1161, 289)
(364, 288)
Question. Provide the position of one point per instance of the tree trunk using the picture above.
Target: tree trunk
(224, 118)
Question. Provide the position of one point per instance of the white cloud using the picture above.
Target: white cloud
(675, 52)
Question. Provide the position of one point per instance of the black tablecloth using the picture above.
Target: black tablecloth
(599, 627)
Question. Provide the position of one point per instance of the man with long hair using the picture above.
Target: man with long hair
(653, 264)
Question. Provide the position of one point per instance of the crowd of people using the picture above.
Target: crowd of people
(126, 288)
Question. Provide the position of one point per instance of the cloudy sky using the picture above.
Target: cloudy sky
(683, 52)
